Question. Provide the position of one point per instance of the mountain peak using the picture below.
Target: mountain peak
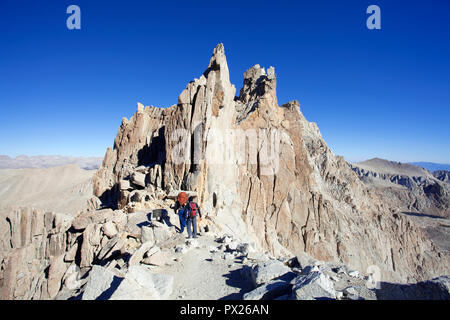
(218, 63)
(259, 171)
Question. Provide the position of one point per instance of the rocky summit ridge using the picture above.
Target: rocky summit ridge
(278, 205)
(280, 187)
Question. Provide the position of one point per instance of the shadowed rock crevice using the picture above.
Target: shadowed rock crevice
(436, 289)
(107, 294)
(155, 152)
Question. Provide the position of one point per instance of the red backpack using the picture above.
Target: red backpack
(192, 209)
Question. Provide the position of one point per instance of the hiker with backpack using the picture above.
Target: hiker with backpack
(193, 210)
(181, 209)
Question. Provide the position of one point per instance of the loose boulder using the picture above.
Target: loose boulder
(138, 255)
(313, 286)
(109, 229)
(138, 179)
(266, 271)
(100, 280)
(141, 284)
(157, 259)
(272, 289)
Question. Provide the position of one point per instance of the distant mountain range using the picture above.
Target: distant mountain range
(92, 163)
(22, 161)
(412, 187)
(431, 166)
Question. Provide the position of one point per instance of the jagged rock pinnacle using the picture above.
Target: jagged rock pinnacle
(219, 49)
(219, 64)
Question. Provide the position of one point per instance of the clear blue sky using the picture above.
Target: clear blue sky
(373, 93)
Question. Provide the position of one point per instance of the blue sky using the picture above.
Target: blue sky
(374, 93)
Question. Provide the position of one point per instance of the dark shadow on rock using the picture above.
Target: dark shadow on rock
(144, 224)
(112, 255)
(154, 153)
(233, 296)
(237, 279)
(426, 290)
(79, 240)
(288, 276)
(417, 214)
(78, 296)
(164, 218)
(109, 198)
(106, 295)
(434, 191)
(149, 155)
(276, 290)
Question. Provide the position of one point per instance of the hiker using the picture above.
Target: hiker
(193, 211)
(181, 207)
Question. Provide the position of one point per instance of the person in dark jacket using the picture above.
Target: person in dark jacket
(181, 210)
(193, 210)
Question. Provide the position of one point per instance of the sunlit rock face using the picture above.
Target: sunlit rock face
(263, 173)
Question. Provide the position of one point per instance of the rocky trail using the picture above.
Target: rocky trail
(210, 267)
(106, 254)
(203, 273)
(204, 268)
